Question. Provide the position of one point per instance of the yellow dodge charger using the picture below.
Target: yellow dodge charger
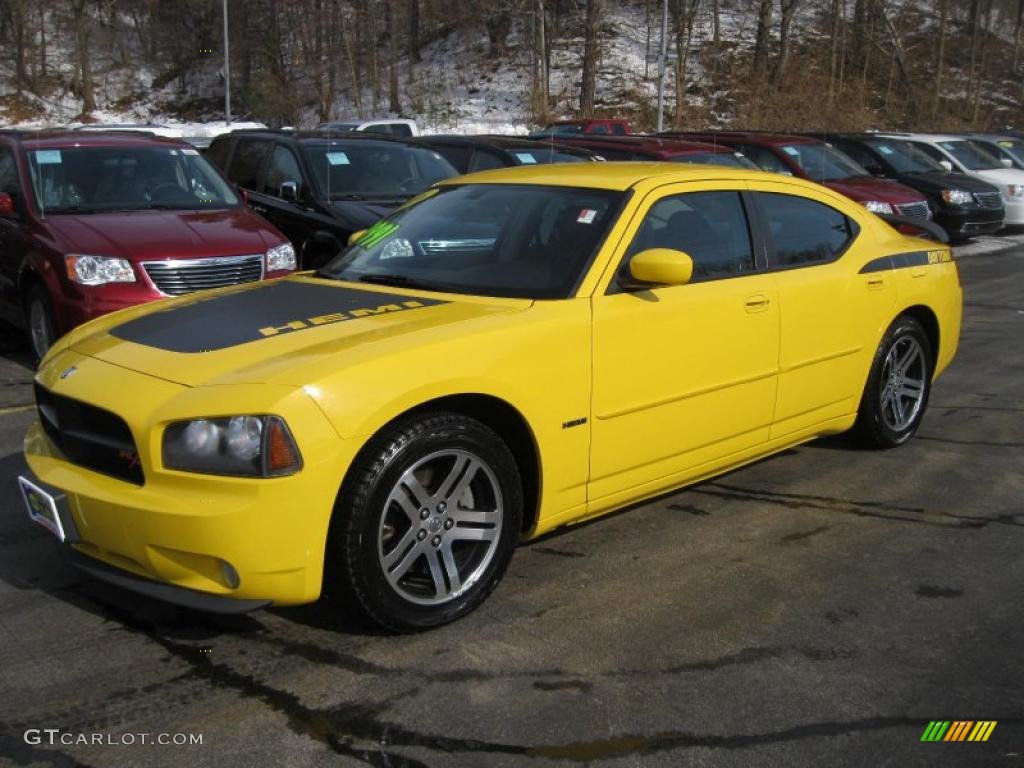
(511, 352)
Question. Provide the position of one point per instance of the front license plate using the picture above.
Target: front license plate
(42, 507)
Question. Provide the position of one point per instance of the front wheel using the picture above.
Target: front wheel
(898, 386)
(39, 319)
(426, 523)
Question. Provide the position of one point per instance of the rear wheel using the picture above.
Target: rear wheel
(39, 321)
(427, 522)
(898, 386)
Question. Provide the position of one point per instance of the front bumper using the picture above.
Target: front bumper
(969, 222)
(187, 537)
(1014, 211)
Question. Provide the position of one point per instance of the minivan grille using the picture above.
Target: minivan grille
(89, 436)
(990, 200)
(914, 210)
(178, 276)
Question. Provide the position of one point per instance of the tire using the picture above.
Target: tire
(426, 522)
(896, 394)
(39, 322)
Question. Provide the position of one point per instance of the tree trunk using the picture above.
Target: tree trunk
(787, 9)
(18, 17)
(82, 23)
(940, 56)
(1016, 34)
(764, 25)
(683, 14)
(833, 66)
(394, 105)
(42, 40)
(716, 22)
(590, 52)
(412, 13)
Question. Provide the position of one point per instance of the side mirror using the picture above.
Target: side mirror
(355, 236)
(661, 266)
(7, 205)
(1007, 162)
(946, 164)
(289, 191)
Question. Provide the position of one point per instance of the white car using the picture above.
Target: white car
(399, 128)
(957, 153)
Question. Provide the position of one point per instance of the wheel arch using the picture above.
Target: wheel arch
(501, 416)
(926, 316)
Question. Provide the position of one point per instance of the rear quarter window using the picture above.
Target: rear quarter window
(248, 162)
(804, 232)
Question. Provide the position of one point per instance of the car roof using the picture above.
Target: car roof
(763, 138)
(492, 140)
(59, 139)
(661, 144)
(613, 176)
(323, 135)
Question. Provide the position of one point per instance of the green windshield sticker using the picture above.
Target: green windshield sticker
(376, 233)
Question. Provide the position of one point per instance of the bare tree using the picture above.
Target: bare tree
(392, 32)
(787, 9)
(764, 24)
(684, 14)
(592, 29)
(940, 56)
(83, 29)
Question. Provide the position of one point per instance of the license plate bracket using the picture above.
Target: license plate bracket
(48, 509)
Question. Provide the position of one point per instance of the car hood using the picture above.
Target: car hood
(283, 332)
(936, 181)
(863, 189)
(1002, 176)
(144, 235)
(360, 214)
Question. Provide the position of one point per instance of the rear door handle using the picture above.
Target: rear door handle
(758, 302)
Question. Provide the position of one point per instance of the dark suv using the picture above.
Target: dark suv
(95, 222)
(962, 205)
(480, 153)
(319, 188)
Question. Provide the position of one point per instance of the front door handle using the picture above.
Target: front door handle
(758, 302)
(259, 208)
(876, 282)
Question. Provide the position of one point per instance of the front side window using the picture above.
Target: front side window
(709, 226)
(971, 155)
(132, 178)
(804, 232)
(283, 167)
(247, 163)
(484, 161)
(361, 170)
(822, 163)
(510, 240)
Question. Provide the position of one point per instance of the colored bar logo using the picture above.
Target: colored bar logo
(958, 730)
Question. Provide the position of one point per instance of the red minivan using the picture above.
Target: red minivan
(818, 161)
(93, 223)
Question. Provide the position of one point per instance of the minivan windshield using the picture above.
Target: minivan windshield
(905, 157)
(823, 163)
(373, 170)
(507, 240)
(971, 155)
(131, 178)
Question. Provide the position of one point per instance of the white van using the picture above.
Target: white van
(398, 128)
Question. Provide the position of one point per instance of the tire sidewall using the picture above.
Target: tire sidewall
(391, 459)
(871, 417)
(38, 295)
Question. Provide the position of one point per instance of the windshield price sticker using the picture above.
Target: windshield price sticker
(885, 150)
(48, 156)
(526, 158)
(190, 152)
(337, 158)
(791, 151)
(587, 216)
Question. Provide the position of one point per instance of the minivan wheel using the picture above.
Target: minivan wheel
(39, 320)
(898, 386)
(426, 523)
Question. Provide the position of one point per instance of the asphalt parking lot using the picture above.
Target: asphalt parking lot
(816, 608)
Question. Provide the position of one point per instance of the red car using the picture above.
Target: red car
(813, 159)
(658, 149)
(609, 127)
(90, 224)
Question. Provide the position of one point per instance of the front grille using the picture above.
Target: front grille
(176, 277)
(914, 210)
(990, 200)
(89, 436)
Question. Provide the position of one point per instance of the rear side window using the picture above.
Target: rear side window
(710, 226)
(765, 159)
(217, 153)
(247, 162)
(401, 129)
(283, 167)
(599, 128)
(804, 232)
(484, 160)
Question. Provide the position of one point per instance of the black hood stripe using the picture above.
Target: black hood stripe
(208, 324)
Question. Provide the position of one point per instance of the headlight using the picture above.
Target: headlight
(241, 446)
(1015, 190)
(957, 197)
(281, 257)
(877, 206)
(98, 270)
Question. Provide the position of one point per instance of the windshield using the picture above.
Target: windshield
(728, 159)
(509, 240)
(1014, 146)
(97, 179)
(972, 156)
(546, 155)
(823, 163)
(905, 157)
(350, 170)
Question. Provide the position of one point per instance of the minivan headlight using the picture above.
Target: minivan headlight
(98, 270)
(877, 206)
(240, 446)
(957, 197)
(281, 257)
(1015, 190)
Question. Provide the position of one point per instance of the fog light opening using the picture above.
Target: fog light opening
(229, 574)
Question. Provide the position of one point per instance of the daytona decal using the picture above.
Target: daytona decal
(911, 259)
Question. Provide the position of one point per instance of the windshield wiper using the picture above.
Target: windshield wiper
(74, 209)
(345, 196)
(400, 281)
